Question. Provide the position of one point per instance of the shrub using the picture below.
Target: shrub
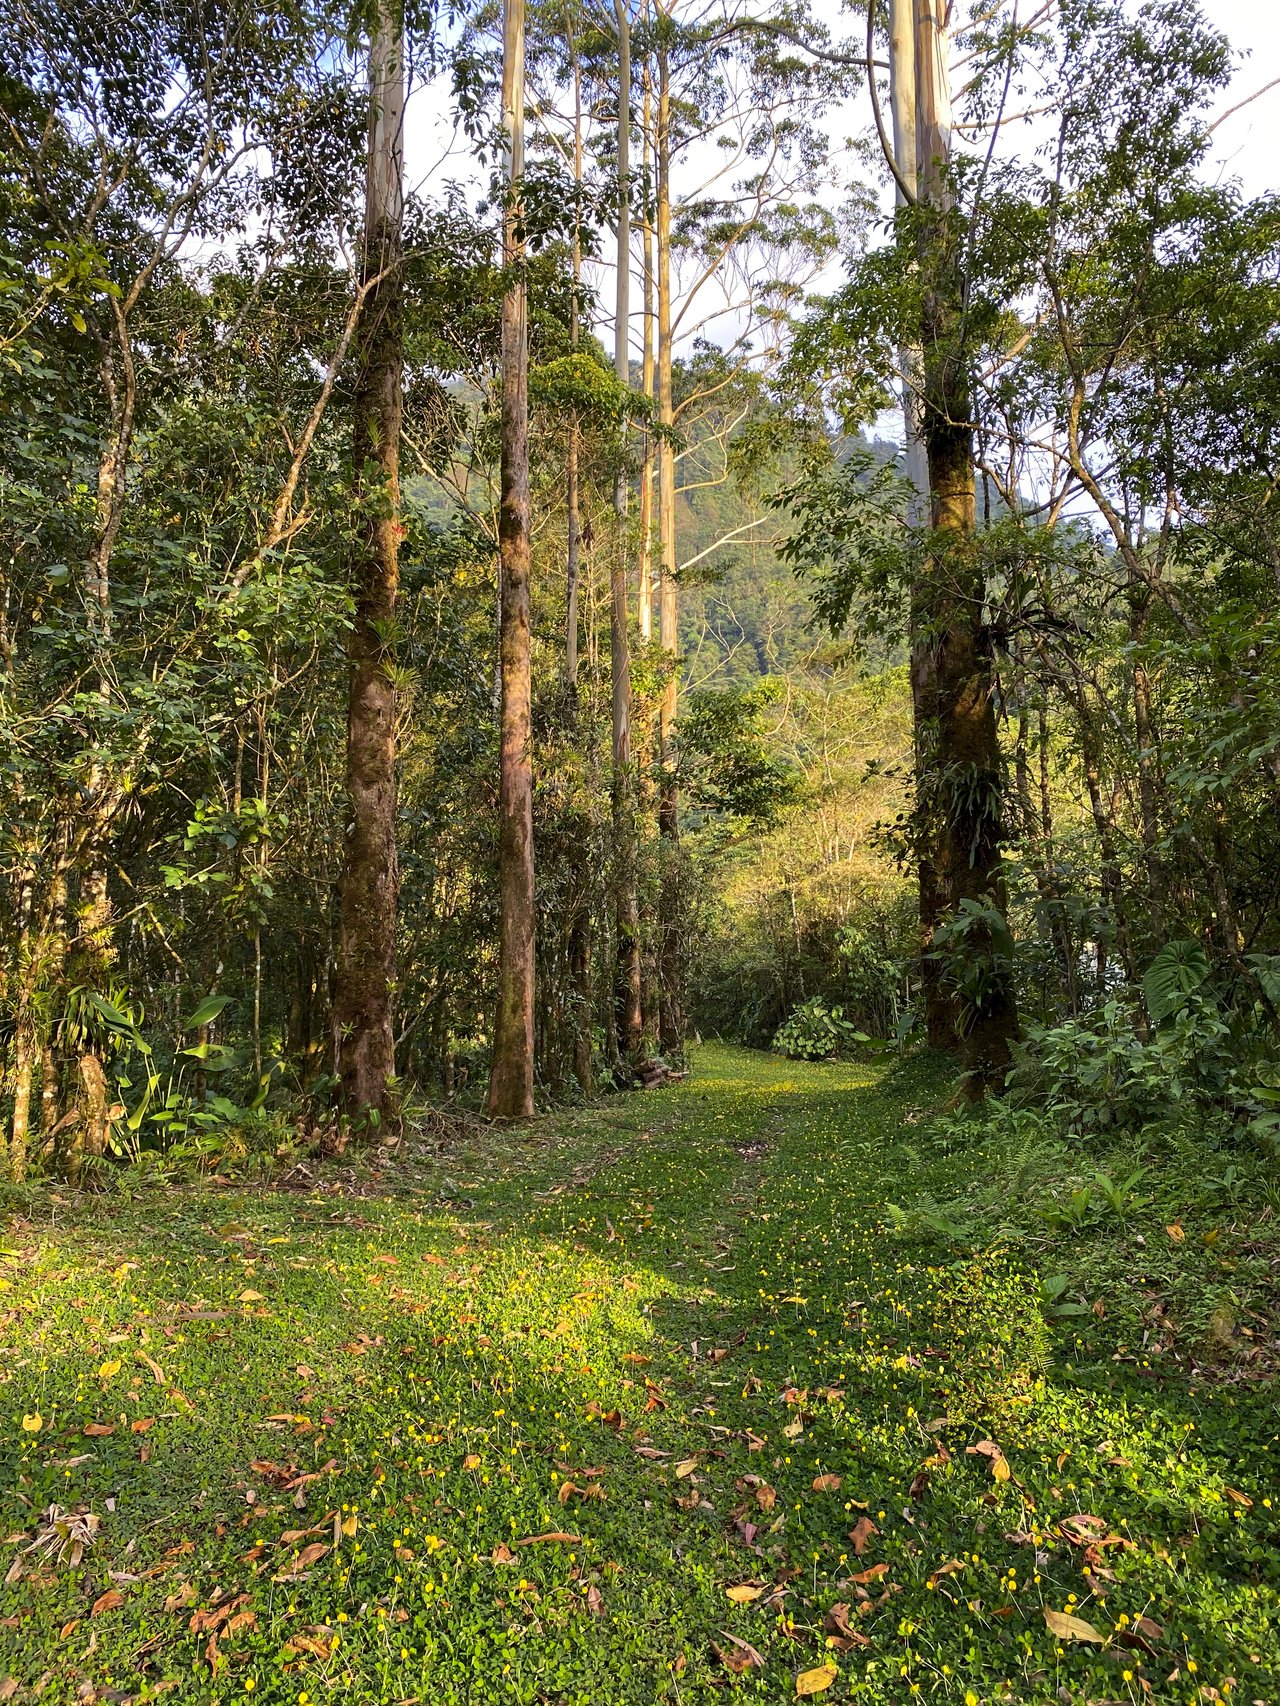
(989, 1329)
(815, 1031)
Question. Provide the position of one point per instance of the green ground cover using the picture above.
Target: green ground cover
(673, 1401)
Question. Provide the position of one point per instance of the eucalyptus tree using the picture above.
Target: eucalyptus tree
(364, 1006)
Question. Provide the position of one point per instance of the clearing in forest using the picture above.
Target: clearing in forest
(661, 1402)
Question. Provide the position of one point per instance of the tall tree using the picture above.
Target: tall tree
(630, 1015)
(511, 1076)
(364, 1002)
(968, 990)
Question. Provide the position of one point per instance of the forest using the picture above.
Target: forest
(639, 960)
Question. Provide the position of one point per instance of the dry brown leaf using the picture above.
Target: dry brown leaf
(1237, 1498)
(948, 1569)
(766, 1496)
(311, 1554)
(872, 1573)
(686, 1468)
(143, 1425)
(739, 1656)
(861, 1534)
(1069, 1628)
(181, 1598)
(108, 1601)
(555, 1534)
(595, 1601)
(502, 1554)
(98, 1430)
(817, 1680)
(827, 1483)
(471, 1461)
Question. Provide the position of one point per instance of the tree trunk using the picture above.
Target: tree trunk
(629, 1018)
(670, 946)
(364, 1004)
(511, 1076)
(968, 986)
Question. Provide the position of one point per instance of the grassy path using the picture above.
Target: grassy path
(511, 1427)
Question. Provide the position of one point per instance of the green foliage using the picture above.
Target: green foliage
(987, 1323)
(815, 1031)
(508, 1334)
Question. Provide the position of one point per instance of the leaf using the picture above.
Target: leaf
(872, 1573)
(739, 1657)
(827, 1483)
(311, 1555)
(250, 1297)
(742, 1593)
(108, 1601)
(817, 1680)
(861, 1533)
(793, 1430)
(555, 1534)
(1176, 1233)
(471, 1461)
(502, 1554)
(206, 1012)
(1069, 1628)
(109, 1369)
(32, 1424)
(1241, 1499)
(181, 1599)
(991, 1451)
(1177, 972)
(98, 1430)
(686, 1468)
(142, 1425)
(843, 1635)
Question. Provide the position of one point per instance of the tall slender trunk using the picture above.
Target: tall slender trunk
(364, 1002)
(1140, 597)
(511, 1076)
(670, 921)
(629, 1018)
(645, 577)
(968, 986)
(580, 932)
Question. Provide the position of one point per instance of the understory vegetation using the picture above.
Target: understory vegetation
(779, 1371)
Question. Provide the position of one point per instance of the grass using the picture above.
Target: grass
(507, 1425)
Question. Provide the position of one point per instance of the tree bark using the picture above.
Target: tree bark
(969, 997)
(364, 1004)
(670, 922)
(629, 1018)
(511, 1076)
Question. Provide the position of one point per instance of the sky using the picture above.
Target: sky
(1245, 146)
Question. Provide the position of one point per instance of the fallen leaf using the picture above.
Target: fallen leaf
(98, 1430)
(686, 1468)
(183, 1597)
(471, 1461)
(8, 1688)
(502, 1554)
(595, 1601)
(142, 1425)
(827, 1483)
(744, 1592)
(766, 1496)
(1241, 1499)
(860, 1534)
(311, 1555)
(948, 1569)
(555, 1534)
(31, 1425)
(817, 1680)
(738, 1657)
(108, 1601)
(871, 1574)
(247, 1296)
(842, 1633)
(991, 1451)
(1177, 1235)
(1069, 1628)
(109, 1368)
